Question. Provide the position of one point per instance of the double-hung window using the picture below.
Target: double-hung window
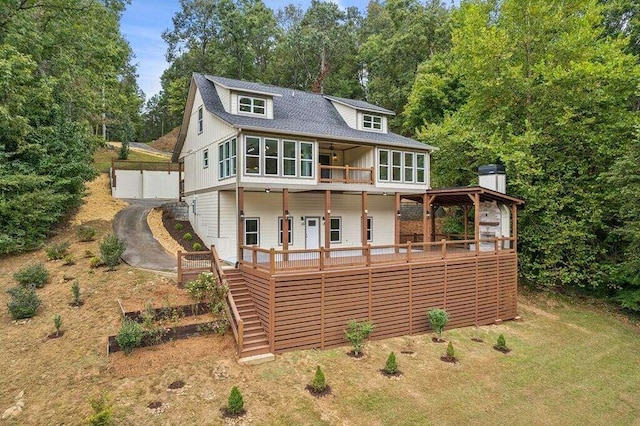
(421, 168)
(396, 169)
(400, 166)
(205, 158)
(335, 233)
(371, 122)
(200, 121)
(251, 231)
(227, 159)
(306, 159)
(271, 156)
(276, 157)
(383, 165)
(289, 149)
(369, 228)
(249, 105)
(280, 229)
(408, 167)
(252, 155)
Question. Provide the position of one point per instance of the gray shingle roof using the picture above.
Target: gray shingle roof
(297, 112)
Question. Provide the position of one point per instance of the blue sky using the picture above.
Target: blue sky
(144, 21)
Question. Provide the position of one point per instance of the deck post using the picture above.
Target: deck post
(346, 173)
(444, 248)
(432, 233)
(179, 266)
(327, 219)
(396, 210)
(254, 257)
(285, 223)
(476, 221)
(514, 226)
(272, 314)
(465, 210)
(240, 213)
(363, 219)
(321, 259)
(495, 245)
(425, 216)
(409, 251)
(272, 261)
(368, 250)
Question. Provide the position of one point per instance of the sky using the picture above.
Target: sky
(144, 21)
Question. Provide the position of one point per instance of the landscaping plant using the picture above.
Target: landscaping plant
(85, 233)
(206, 288)
(33, 275)
(391, 367)
(188, 236)
(451, 353)
(68, 260)
(235, 404)
(501, 344)
(111, 249)
(438, 318)
(57, 323)
(319, 384)
(75, 290)
(102, 411)
(23, 302)
(57, 251)
(357, 333)
(129, 336)
(179, 226)
(197, 246)
(95, 261)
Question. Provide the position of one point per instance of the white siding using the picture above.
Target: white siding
(225, 97)
(214, 221)
(214, 130)
(348, 114)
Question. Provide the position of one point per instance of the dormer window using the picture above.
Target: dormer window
(250, 105)
(372, 122)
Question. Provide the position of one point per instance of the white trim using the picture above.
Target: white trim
(252, 106)
(373, 123)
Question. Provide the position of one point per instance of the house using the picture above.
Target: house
(302, 191)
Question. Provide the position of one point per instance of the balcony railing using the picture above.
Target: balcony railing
(321, 259)
(346, 174)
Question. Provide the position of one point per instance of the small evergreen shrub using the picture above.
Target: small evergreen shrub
(129, 336)
(88, 254)
(57, 251)
(438, 318)
(197, 246)
(111, 249)
(68, 260)
(391, 367)
(235, 404)
(319, 384)
(357, 333)
(75, 291)
(451, 353)
(179, 226)
(85, 233)
(95, 262)
(502, 342)
(123, 154)
(23, 302)
(102, 411)
(32, 275)
(188, 236)
(57, 323)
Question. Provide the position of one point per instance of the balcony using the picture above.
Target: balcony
(346, 174)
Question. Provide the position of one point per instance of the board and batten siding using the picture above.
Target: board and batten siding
(214, 131)
(268, 208)
(225, 97)
(348, 114)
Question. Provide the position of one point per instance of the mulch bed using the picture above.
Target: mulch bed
(327, 391)
(154, 405)
(353, 355)
(55, 336)
(76, 305)
(503, 350)
(438, 340)
(170, 222)
(477, 339)
(451, 359)
(407, 352)
(228, 415)
(390, 375)
(176, 385)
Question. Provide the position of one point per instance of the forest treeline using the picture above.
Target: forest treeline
(548, 88)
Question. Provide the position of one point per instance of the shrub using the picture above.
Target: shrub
(33, 275)
(95, 262)
(502, 342)
(235, 404)
(188, 236)
(85, 233)
(129, 336)
(57, 323)
(68, 260)
(123, 154)
(111, 250)
(75, 290)
(88, 254)
(319, 384)
(391, 367)
(23, 302)
(197, 246)
(356, 333)
(450, 351)
(102, 411)
(179, 226)
(206, 289)
(438, 318)
(57, 251)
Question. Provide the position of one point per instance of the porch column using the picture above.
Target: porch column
(476, 221)
(396, 213)
(425, 217)
(285, 221)
(432, 231)
(465, 212)
(363, 221)
(514, 226)
(240, 221)
(327, 219)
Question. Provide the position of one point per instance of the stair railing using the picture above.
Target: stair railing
(236, 323)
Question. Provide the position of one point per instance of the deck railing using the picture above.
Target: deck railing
(272, 260)
(345, 174)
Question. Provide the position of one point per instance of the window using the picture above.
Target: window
(280, 225)
(200, 123)
(408, 166)
(205, 158)
(336, 230)
(252, 155)
(421, 168)
(251, 231)
(271, 156)
(227, 159)
(396, 170)
(369, 228)
(250, 105)
(383, 165)
(289, 158)
(306, 159)
(371, 122)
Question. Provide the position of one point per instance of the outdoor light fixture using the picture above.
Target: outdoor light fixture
(384, 193)
(366, 211)
(268, 190)
(241, 214)
(398, 213)
(302, 219)
(286, 213)
(334, 156)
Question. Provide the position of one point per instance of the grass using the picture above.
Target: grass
(570, 364)
(102, 158)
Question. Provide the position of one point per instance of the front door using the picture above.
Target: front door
(312, 232)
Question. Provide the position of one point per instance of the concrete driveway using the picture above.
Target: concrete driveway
(142, 250)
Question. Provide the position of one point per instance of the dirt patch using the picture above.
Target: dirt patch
(450, 359)
(167, 141)
(503, 350)
(54, 335)
(438, 340)
(390, 375)
(312, 391)
(356, 356)
(170, 223)
(98, 203)
(176, 385)
(477, 339)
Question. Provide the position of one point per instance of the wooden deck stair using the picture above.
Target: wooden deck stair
(255, 340)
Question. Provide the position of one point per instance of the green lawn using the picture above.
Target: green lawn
(103, 156)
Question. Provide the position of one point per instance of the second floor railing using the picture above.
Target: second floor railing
(346, 174)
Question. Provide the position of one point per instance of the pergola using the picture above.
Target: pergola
(465, 197)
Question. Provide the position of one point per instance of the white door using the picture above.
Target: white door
(312, 232)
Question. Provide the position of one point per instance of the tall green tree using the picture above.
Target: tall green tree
(549, 95)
